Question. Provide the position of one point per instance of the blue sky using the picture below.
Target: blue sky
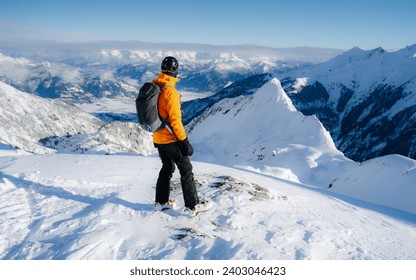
(390, 24)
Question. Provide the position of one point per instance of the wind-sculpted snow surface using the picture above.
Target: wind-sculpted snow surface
(101, 207)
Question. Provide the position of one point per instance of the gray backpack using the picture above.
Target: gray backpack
(147, 109)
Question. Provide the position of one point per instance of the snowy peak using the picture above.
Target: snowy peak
(410, 51)
(272, 95)
(358, 52)
(242, 87)
(368, 67)
(263, 131)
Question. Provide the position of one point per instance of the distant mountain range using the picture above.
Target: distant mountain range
(85, 71)
(365, 99)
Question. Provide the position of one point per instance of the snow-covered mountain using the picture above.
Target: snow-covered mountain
(42, 125)
(113, 138)
(366, 99)
(264, 132)
(25, 119)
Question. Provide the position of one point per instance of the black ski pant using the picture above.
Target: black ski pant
(171, 155)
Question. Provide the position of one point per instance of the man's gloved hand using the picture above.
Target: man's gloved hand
(185, 148)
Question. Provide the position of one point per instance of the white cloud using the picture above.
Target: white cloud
(15, 69)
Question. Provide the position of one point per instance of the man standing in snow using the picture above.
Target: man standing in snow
(172, 143)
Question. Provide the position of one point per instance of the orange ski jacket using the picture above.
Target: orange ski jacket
(169, 106)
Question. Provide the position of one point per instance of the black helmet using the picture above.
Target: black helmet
(170, 65)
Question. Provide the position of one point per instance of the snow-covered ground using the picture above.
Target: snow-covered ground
(64, 206)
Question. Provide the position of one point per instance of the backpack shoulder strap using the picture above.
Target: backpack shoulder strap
(165, 121)
(166, 85)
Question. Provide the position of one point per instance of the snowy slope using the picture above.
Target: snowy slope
(388, 180)
(101, 207)
(25, 119)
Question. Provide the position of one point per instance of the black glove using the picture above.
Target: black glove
(185, 148)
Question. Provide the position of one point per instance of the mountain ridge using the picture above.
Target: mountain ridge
(364, 98)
